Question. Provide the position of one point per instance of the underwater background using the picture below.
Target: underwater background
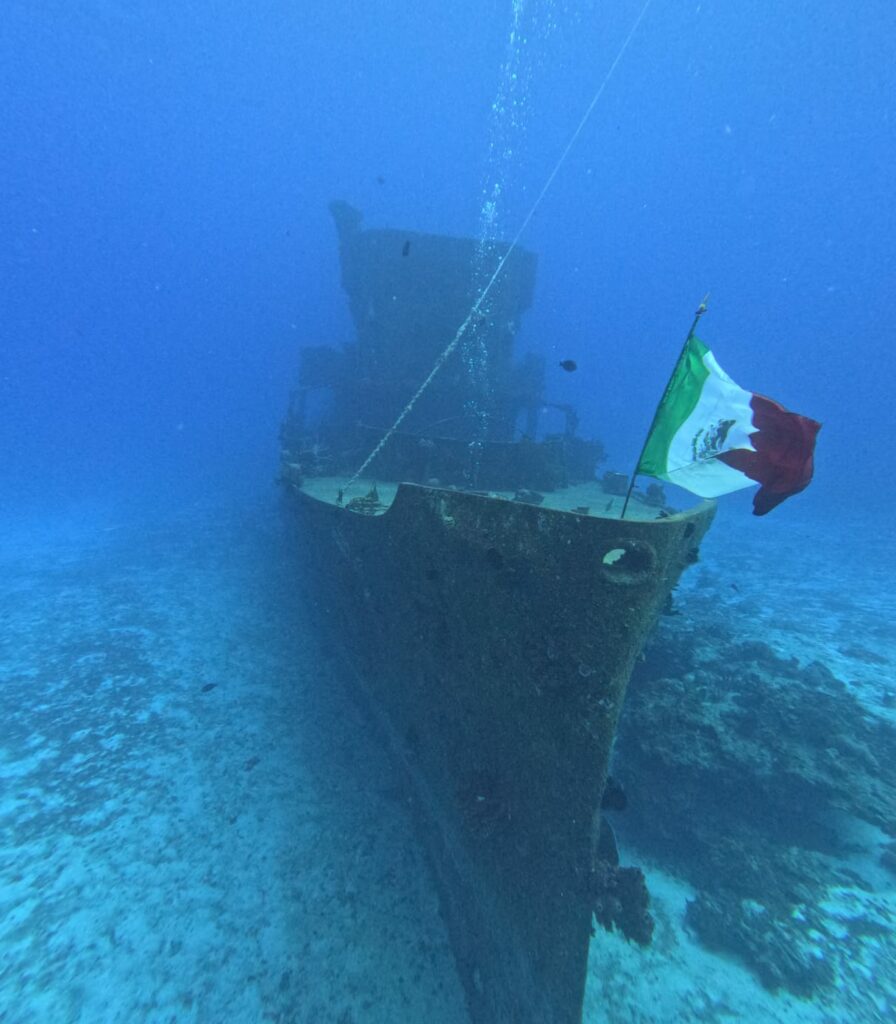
(186, 832)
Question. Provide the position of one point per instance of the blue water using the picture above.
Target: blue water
(173, 853)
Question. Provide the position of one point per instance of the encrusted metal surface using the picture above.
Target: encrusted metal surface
(493, 641)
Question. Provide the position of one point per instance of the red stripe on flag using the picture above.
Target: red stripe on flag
(783, 460)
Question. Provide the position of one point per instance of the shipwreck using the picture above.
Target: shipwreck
(487, 598)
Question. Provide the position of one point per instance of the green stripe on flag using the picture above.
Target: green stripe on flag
(680, 400)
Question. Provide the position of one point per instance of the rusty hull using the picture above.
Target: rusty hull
(492, 641)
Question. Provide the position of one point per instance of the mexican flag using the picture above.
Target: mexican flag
(712, 437)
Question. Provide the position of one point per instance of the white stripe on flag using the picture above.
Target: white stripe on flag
(721, 420)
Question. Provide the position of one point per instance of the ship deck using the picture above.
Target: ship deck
(585, 499)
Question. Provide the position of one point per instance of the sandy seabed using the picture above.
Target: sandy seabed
(196, 827)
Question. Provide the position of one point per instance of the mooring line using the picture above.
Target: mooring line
(452, 345)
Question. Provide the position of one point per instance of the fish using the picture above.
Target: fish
(570, 365)
(406, 248)
(209, 687)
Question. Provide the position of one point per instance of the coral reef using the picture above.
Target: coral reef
(747, 772)
(621, 900)
(766, 942)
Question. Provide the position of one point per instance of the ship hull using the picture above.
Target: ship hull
(491, 642)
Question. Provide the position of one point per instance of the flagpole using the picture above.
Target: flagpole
(701, 309)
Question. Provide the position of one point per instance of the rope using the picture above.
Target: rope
(474, 312)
